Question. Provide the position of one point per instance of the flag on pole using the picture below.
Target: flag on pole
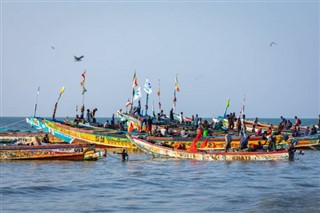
(176, 85)
(128, 103)
(228, 103)
(62, 90)
(135, 80)
(147, 87)
(38, 91)
(84, 90)
(158, 92)
(84, 78)
(137, 94)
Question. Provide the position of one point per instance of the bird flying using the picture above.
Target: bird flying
(78, 58)
(53, 47)
(273, 43)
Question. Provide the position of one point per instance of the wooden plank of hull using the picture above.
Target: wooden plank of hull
(159, 151)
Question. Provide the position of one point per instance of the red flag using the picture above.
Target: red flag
(193, 147)
(204, 144)
(130, 128)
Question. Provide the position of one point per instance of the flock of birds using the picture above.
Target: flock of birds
(77, 59)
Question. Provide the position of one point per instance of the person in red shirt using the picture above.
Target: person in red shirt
(298, 121)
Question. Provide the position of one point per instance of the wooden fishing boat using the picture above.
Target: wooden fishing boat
(311, 142)
(50, 152)
(161, 151)
(215, 143)
(80, 135)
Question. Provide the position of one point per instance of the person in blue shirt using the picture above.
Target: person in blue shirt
(244, 142)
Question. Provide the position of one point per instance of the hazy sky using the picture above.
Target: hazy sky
(218, 49)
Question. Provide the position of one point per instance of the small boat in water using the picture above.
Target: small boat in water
(50, 152)
(161, 151)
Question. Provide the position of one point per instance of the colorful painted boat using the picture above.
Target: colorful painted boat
(215, 143)
(79, 135)
(50, 152)
(307, 142)
(161, 151)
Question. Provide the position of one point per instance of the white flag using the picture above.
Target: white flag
(147, 87)
(137, 94)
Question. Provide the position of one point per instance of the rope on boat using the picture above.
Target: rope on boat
(12, 124)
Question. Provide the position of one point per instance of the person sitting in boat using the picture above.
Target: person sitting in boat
(259, 146)
(106, 124)
(271, 140)
(313, 130)
(163, 132)
(307, 132)
(183, 132)
(67, 121)
(46, 139)
(76, 120)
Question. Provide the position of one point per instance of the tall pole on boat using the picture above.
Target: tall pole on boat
(56, 105)
(35, 106)
(84, 90)
(134, 84)
(176, 89)
(148, 90)
(158, 93)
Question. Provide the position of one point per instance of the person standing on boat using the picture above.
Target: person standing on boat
(195, 122)
(283, 121)
(149, 125)
(298, 122)
(93, 115)
(181, 118)
(228, 140)
(88, 116)
(171, 115)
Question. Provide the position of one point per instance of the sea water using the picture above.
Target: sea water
(144, 184)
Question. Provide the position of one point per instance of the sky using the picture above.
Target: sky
(218, 50)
